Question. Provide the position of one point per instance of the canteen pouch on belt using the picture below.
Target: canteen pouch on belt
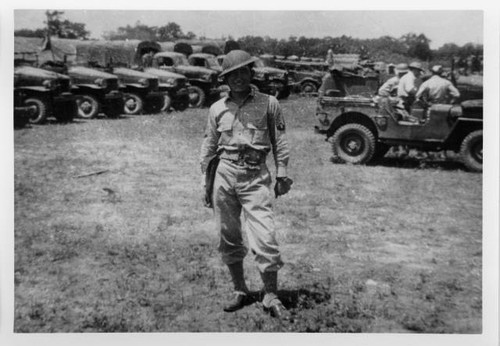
(209, 181)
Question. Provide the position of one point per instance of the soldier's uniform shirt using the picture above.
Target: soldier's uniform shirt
(257, 124)
(437, 90)
(408, 85)
(390, 87)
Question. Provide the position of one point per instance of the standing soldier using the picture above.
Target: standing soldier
(387, 93)
(242, 129)
(407, 88)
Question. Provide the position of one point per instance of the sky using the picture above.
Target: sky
(440, 26)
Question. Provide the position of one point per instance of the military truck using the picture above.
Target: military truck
(22, 113)
(48, 92)
(360, 131)
(267, 79)
(141, 90)
(203, 82)
(97, 91)
(305, 76)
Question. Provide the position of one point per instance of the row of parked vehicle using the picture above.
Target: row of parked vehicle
(85, 78)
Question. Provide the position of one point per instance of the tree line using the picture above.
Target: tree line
(385, 48)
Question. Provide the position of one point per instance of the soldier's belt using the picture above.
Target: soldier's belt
(249, 158)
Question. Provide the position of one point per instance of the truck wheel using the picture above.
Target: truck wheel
(353, 143)
(133, 104)
(308, 88)
(88, 106)
(40, 115)
(167, 103)
(196, 97)
(471, 151)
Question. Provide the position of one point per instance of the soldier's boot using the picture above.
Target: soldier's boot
(271, 302)
(240, 294)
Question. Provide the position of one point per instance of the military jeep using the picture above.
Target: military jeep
(49, 92)
(360, 131)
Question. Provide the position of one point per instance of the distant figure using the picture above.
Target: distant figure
(147, 59)
(437, 89)
(329, 58)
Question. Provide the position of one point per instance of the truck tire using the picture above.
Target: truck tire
(167, 103)
(40, 114)
(308, 88)
(196, 96)
(88, 106)
(133, 104)
(353, 143)
(471, 151)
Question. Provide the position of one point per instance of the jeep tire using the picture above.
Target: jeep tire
(471, 151)
(40, 114)
(196, 96)
(133, 104)
(88, 106)
(353, 143)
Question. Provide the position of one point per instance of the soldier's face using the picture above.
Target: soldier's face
(239, 80)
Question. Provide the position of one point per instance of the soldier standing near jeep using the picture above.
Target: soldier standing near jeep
(437, 89)
(242, 129)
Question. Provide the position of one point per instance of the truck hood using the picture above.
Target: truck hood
(37, 73)
(128, 75)
(194, 71)
(164, 75)
(82, 74)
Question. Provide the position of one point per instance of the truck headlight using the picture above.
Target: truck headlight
(49, 84)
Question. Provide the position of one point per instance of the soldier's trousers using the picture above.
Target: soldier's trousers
(244, 194)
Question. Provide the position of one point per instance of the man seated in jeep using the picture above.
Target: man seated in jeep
(328, 85)
(387, 93)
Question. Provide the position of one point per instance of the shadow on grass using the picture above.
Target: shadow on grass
(294, 299)
(416, 163)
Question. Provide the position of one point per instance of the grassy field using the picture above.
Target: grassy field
(394, 247)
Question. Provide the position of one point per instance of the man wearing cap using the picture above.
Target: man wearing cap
(409, 84)
(387, 93)
(328, 83)
(437, 89)
(243, 127)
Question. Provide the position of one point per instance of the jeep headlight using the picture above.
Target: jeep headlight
(144, 82)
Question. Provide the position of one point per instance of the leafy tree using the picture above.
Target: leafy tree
(64, 28)
(417, 45)
(30, 33)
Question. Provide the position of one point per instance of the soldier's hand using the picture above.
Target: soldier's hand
(283, 185)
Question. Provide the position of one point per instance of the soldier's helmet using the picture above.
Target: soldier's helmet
(236, 59)
(402, 68)
(417, 66)
(437, 69)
